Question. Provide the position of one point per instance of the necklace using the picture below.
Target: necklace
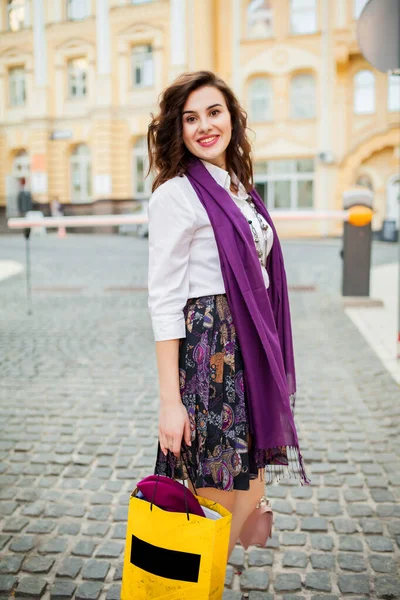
(264, 228)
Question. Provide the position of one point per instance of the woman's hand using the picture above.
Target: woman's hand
(173, 426)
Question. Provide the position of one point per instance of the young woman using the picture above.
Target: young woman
(218, 303)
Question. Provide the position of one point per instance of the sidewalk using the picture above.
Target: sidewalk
(379, 325)
(8, 268)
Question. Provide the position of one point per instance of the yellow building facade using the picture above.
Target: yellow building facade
(79, 79)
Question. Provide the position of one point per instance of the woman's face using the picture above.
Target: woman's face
(207, 127)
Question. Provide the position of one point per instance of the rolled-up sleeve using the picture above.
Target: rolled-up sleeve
(171, 227)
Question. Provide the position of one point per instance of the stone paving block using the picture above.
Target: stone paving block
(371, 526)
(352, 562)
(330, 494)
(354, 584)
(348, 543)
(110, 550)
(97, 529)
(294, 559)
(323, 561)
(4, 539)
(31, 586)
(314, 524)
(69, 528)
(54, 546)
(254, 579)
(360, 510)
(237, 557)
(287, 582)
(319, 581)
(7, 508)
(273, 541)
(231, 595)
(382, 563)
(321, 542)
(38, 564)
(379, 543)
(15, 524)
(282, 506)
(41, 526)
(379, 495)
(10, 563)
(95, 569)
(355, 496)
(70, 567)
(305, 509)
(119, 531)
(382, 510)
(229, 575)
(89, 590)
(84, 548)
(62, 590)
(114, 593)
(260, 557)
(345, 525)
(329, 509)
(293, 539)
(304, 492)
(387, 586)
(7, 583)
(118, 572)
(282, 523)
(276, 491)
(22, 543)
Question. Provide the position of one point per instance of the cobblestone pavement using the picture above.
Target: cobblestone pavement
(78, 404)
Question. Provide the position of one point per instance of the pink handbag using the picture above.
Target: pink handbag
(258, 527)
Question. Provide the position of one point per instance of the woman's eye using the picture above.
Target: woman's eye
(189, 120)
(215, 112)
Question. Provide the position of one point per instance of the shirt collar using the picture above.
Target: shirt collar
(223, 178)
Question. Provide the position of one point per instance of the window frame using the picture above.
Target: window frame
(310, 101)
(263, 15)
(17, 76)
(14, 5)
(74, 72)
(71, 8)
(293, 177)
(393, 92)
(141, 61)
(83, 162)
(266, 94)
(357, 90)
(295, 13)
(139, 152)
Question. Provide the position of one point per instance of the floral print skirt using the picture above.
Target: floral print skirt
(212, 390)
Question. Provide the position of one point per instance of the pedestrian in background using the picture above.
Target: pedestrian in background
(219, 304)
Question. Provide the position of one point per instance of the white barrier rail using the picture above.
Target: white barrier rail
(139, 219)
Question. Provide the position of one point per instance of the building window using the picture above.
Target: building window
(77, 78)
(18, 14)
(302, 96)
(303, 16)
(364, 92)
(141, 183)
(17, 86)
(286, 184)
(78, 9)
(142, 66)
(260, 101)
(259, 19)
(81, 174)
(358, 6)
(394, 93)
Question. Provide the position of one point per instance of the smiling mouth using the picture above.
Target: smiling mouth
(208, 141)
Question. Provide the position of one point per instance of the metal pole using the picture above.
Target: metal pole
(27, 233)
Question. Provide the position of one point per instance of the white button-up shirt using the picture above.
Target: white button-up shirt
(183, 254)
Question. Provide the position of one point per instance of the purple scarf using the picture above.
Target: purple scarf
(262, 322)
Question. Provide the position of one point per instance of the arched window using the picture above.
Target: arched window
(260, 99)
(394, 93)
(358, 6)
(364, 92)
(18, 14)
(259, 19)
(302, 96)
(17, 86)
(81, 174)
(77, 77)
(303, 16)
(141, 184)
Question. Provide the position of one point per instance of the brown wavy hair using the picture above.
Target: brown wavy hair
(168, 155)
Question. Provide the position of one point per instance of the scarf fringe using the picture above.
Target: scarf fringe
(292, 469)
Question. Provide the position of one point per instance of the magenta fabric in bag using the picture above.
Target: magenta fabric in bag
(169, 495)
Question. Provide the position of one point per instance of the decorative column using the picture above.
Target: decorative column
(103, 53)
(236, 22)
(38, 103)
(178, 37)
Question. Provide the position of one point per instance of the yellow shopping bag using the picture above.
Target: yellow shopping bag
(174, 556)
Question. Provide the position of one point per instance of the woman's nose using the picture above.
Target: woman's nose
(204, 125)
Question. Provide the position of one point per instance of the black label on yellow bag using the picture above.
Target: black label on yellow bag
(171, 564)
